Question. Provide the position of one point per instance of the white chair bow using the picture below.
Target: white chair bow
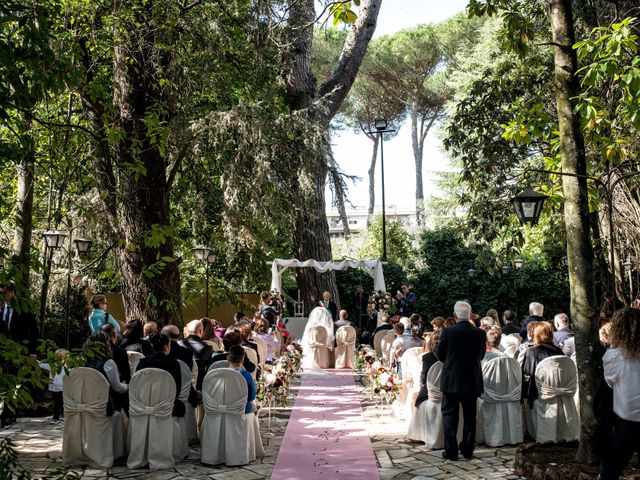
(151, 431)
(90, 436)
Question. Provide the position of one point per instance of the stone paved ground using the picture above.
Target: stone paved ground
(40, 446)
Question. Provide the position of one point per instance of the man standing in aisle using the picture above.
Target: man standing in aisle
(461, 349)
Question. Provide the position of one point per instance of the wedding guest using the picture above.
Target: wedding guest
(176, 350)
(233, 338)
(201, 349)
(449, 322)
(622, 373)
(407, 301)
(493, 313)
(208, 329)
(132, 338)
(265, 332)
(494, 337)
(437, 323)
(487, 322)
(161, 360)
(610, 305)
(56, 385)
(236, 359)
(99, 358)
(342, 321)
(461, 349)
(563, 336)
(267, 311)
(508, 317)
(604, 334)
(429, 359)
(148, 328)
(99, 316)
(19, 323)
(527, 343)
(118, 354)
(536, 310)
(542, 348)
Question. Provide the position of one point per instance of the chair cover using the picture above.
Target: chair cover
(262, 349)
(316, 353)
(385, 346)
(276, 351)
(377, 338)
(218, 364)
(90, 437)
(499, 419)
(411, 362)
(253, 358)
(345, 351)
(187, 424)
(151, 429)
(554, 416)
(227, 435)
(134, 359)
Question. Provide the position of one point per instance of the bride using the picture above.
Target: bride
(319, 316)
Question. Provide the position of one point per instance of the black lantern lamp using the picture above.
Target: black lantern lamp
(506, 268)
(82, 245)
(202, 253)
(380, 124)
(528, 206)
(471, 273)
(565, 261)
(518, 263)
(54, 239)
(627, 265)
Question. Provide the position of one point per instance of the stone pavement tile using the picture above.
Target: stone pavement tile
(390, 473)
(264, 470)
(191, 469)
(383, 459)
(411, 463)
(400, 453)
(427, 472)
(239, 474)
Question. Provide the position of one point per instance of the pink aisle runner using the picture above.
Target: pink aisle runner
(326, 436)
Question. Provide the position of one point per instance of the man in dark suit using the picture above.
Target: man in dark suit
(461, 349)
(536, 312)
(177, 351)
(20, 323)
(201, 350)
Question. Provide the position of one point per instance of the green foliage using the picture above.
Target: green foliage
(444, 280)
(399, 243)
(11, 466)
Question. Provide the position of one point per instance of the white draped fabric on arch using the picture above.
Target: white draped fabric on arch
(372, 267)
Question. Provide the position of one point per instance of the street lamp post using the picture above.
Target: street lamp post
(470, 274)
(518, 263)
(380, 125)
(628, 266)
(529, 207)
(205, 255)
(53, 240)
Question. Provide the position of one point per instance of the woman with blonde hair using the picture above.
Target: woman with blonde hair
(622, 373)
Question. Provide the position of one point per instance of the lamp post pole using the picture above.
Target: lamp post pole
(380, 125)
(609, 189)
(53, 239)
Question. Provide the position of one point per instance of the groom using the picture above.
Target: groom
(327, 303)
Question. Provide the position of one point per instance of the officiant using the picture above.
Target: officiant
(329, 304)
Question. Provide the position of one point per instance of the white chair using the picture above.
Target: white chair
(151, 429)
(228, 434)
(411, 362)
(134, 358)
(345, 351)
(426, 421)
(189, 419)
(499, 419)
(320, 355)
(554, 416)
(385, 346)
(253, 358)
(377, 338)
(90, 436)
(278, 348)
(262, 349)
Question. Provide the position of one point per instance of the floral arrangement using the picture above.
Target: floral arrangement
(383, 382)
(381, 301)
(273, 386)
(365, 357)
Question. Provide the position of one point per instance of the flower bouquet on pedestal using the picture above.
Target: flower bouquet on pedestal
(384, 383)
(382, 303)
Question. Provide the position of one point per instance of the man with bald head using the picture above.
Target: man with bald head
(177, 351)
(201, 350)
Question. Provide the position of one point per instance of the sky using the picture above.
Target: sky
(353, 152)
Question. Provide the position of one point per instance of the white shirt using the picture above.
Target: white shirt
(623, 376)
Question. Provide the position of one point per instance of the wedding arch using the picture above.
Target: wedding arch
(372, 267)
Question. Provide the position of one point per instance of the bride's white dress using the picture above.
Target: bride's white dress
(319, 316)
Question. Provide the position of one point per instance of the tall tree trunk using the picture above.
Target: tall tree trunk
(24, 222)
(576, 211)
(339, 190)
(372, 180)
(311, 231)
(417, 145)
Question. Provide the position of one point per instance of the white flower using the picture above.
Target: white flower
(269, 379)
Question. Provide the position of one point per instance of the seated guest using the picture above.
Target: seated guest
(493, 313)
(246, 333)
(429, 359)
(132, 338)
(118, 354)
(385, 325)
(177, 351)
(437, 323)
(232, 338)
(263, 331)
(97, 350)
(486, 323)
(604, 334)
(398, 330)
(201, 349)
(527, 343)
(409, 339)
(494, 336)
(240, 319)
(509, 327)
(342, 321)
(563, 336)
(236, 358)
(148, 328)
(208, 330)
(542, 348)
(622, 373)
(449, 322)
(160, 359)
